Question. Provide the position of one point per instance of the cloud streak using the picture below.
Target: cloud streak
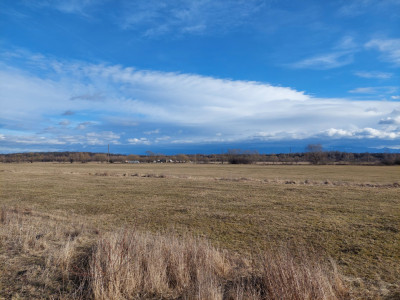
(155, 18)
(374, 75)
(189, 108)
(375, 90)
(341, 55)
(390, 49)
(325, 61)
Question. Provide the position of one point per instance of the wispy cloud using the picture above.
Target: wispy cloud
(360, 7)
(375, 90)
(155, 18)
(138, 141)
(89, 97)
(79, 7)
(189, 108)
(68, 113)
(390, 49)
(390, 121)
(346, 43)
(64, 123)
(341, 54)
(84, 125)
(325, 61)
(393, 147)
(369, 133)
(155, 131)
(373, 74)
(102, 138)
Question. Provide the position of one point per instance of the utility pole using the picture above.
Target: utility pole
(108, 154)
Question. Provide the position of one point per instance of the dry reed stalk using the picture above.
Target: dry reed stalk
(134, 265)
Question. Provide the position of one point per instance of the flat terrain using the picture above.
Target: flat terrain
(349, 213)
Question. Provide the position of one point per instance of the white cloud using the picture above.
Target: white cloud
(64, 123)
(360, 7)
(138, 141)
(91, 138)
(332, 132)
(325, 61)
(89, 97)
(347, 43)
(68, 113)
(375, 90)
(374, 74)
(393, 147)
(84, 125)
(390, 49)
(341, 54)
(102, 138)
(32, 140)
(162, 139)
(370, 133)
(396, 97)
(372, 110)
(155, 131)
(188, 107)
(395, 112)
(376, 133)
(156, 18)
(363, 90)
(390, 121)
(79, 7)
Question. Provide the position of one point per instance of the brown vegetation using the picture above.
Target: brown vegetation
(54, 257)
(313, 155)
(349, 213)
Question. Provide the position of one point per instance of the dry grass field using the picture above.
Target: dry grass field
(340, 224)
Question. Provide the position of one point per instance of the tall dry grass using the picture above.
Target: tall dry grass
(45, 256)
(134, 265)
(282, 275)
(40, 254)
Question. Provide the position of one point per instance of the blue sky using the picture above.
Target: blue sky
(199, 76)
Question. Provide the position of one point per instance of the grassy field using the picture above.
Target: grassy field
(348, 213)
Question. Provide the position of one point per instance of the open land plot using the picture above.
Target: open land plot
(349, 213)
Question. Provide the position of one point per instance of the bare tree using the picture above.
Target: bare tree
(315, 154)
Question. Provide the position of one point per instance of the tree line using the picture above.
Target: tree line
(314, 154)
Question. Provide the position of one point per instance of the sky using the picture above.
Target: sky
(199, 76)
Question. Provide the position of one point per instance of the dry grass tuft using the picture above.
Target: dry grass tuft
(40, 254)
(47, 256)
(285, 276)
(134, 265)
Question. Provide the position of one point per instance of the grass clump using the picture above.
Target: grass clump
(52, 257)
(41, 255)
(135, 265)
